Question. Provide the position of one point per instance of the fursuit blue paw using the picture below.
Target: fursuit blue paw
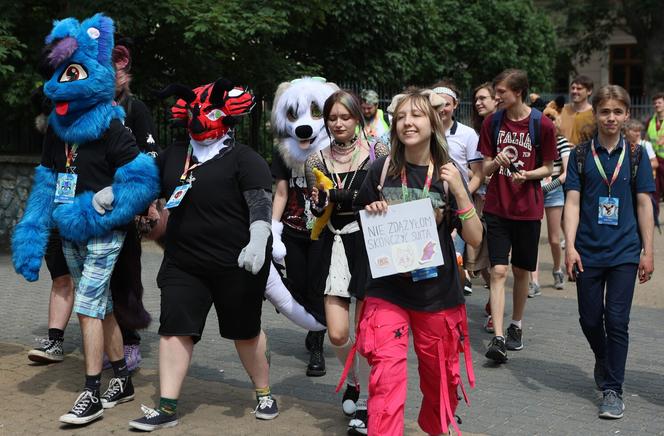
(31, 233)
(78, 221)
(26, 251)
(135, 186)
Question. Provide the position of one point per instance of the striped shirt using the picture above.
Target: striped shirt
(563, 150)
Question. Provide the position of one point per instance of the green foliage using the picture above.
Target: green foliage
(588, 24)
(264, 42)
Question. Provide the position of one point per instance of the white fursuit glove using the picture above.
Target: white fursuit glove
(278, 247)
(103, 200)
(252, 257)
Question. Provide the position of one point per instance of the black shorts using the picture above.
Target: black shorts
(522, 237)
(186, 300)
(54, 257)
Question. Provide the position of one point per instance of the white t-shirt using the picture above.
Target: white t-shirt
(649, 150)
(462, 146)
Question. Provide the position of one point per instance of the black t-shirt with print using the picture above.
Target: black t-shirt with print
(210, 227)
(95, 162)
(294, 215)
(430, 295)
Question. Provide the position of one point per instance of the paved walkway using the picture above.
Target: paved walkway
(545, 389)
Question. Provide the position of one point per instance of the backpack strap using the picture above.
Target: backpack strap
(383, 175)
(581, 154)
(496, 121)
(535, 131)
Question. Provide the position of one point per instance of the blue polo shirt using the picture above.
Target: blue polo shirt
(604, 245)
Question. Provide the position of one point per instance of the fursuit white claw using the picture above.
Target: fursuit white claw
(297, 118)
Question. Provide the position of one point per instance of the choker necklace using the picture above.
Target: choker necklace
(341, 152)
(345, 147)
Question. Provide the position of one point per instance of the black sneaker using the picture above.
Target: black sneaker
(266, 408)
(358, 425)
(49, 352)
(513, 340)
(599, 373)
(467, 287)
(87, 408)
(120, 390)
(496, 350)
(154, 419)
(351, 394)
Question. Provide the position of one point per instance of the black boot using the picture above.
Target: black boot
(316, 367)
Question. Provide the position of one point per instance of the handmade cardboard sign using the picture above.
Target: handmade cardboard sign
(402, 240)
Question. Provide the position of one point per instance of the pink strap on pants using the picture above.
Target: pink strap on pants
(439, 337)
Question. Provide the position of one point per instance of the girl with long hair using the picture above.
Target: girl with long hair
(433, 308)
(341, 253)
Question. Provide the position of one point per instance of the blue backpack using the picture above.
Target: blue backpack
(534, 129)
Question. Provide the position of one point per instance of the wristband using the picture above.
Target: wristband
(468, 215)
(551, 186)
(462, 211)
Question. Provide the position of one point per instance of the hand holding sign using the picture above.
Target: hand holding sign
(401, 238)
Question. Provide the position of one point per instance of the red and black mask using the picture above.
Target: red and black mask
(209, 111)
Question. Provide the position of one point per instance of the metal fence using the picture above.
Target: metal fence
(20, 136)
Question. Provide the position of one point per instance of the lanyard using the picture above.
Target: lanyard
(70, 154)
(600, 168)
(187, 162)
(404, 183)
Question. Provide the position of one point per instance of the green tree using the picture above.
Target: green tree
(588, 24)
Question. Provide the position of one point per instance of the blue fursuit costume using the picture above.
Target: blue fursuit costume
(86, 140)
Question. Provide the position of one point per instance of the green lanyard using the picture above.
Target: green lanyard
(600, 168)
(404, 183)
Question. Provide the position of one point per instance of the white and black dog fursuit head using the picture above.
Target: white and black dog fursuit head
(297, 118)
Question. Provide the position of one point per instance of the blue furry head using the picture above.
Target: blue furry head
(83, 85)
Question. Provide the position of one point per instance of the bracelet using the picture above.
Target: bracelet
(468, 215)
(466, 210)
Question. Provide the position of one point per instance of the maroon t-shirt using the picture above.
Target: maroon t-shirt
(505, 198)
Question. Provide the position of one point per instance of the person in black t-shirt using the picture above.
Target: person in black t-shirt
(126, 283)
(340, 257)
(217, 239)
(432, 308)
(299, 128)
(91, 183)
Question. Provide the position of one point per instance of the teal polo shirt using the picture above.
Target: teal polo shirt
(604, 245)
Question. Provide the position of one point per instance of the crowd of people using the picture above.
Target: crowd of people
(585, 165)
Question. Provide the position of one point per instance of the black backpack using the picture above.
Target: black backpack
(534, 129)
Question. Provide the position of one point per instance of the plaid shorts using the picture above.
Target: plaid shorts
(91, 265)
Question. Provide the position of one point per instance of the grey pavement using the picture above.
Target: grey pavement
(545, 389)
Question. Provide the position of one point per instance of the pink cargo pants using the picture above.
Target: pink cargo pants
(438, 337)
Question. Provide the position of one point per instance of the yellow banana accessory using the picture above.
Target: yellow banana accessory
(322, 181)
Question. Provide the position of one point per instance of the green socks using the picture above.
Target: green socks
(168, 405)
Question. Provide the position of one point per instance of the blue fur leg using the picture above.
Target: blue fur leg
(31, 233)
(135, 185)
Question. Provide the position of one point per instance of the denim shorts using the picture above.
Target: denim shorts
(555, 198)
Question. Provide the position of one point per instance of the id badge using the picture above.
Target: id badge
(424, 273)
(177, 196)
(608, 210)
(65, 188)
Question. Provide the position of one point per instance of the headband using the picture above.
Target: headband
(434, 99)
(445, 90)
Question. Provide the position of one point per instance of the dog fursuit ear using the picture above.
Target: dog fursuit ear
(31, 233)
(135, 185)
